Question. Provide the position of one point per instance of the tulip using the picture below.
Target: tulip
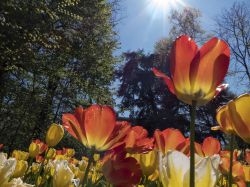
(168, 139)
(174, 170)
(188, 65)
(21, 167)
(95, 127)
(63, 175)
(7, 167)
(122, 171)
(37, 147)
(20, 155)
(137, 140)
(148, 161)
(234, 117)
(34, 150)
(54, 135)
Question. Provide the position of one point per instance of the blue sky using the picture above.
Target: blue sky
(141, 26)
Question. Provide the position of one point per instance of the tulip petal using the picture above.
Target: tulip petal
(206, 173)
(99, 125)
(72, 125)
(224, 120)
(183, 52)
(166, 79)
(210, 146)
(173, 169)
(169, 139)
(212, 61)
(239, 112)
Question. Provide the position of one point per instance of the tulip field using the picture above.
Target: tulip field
(120, 154)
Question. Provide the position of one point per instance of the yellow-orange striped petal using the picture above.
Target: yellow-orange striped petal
(99, 125)
(212, 61)
(239, 113)
(183, 52)
(224, 120)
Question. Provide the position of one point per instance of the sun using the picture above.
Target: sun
(163, 6)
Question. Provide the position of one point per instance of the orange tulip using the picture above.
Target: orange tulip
(196, 74)
(168, 139)
(234, 117)
(122, 171)
(210, 146)
(95, 127)
(238, 171)
(137, 140)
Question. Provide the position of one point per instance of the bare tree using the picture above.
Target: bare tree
(233, 25)
(187, 22)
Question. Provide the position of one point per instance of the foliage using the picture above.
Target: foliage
(55, 55)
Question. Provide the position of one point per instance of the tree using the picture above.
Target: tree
(147, 98)
(233, 25)
(55, 55)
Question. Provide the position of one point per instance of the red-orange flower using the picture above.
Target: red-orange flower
(168, 139)
(122, 171)
(95, 127)
(196, 74)
(137, 140)
(1, 146)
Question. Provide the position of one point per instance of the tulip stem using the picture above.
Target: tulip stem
(230, 178)
(90, 160)
(192, 139)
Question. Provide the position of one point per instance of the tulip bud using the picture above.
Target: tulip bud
(21, 167)
(54, 135)
(51, 153)
(34, 149)
(20, 155)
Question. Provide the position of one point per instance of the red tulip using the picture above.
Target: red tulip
(196, 74)
(121, 171)
(95, 127)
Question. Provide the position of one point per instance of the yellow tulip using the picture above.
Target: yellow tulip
(51, 153)
(21, 167)
(148, 162)
(7, 167)
(63, 175)
(20, 155)
(34, 149)
(174, 170)
(234, 117)
(54, 135)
